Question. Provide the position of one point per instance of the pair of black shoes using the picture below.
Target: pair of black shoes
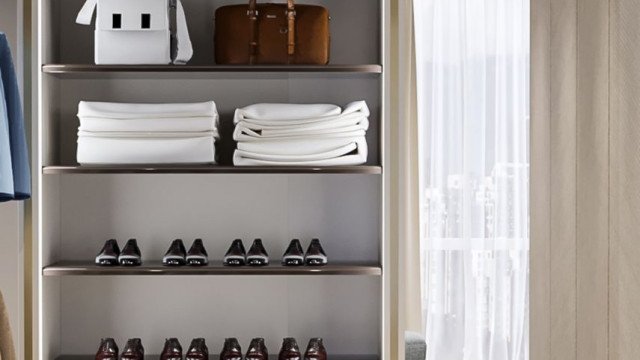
(291, 351)
(177, 255)
(232, 350)
(173, 350)
(237, 256)
(295, 256)
(108, 350)
(111, 255)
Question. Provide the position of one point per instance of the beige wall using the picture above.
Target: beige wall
(585, 270)
(11, 241)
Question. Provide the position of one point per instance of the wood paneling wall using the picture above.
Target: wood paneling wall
(585, 179)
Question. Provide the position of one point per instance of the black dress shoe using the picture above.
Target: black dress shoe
(257, 255)
(133, 350)
(108, 350)
(197, 255)
(315, 255)
(289, 350)
(294, 256)
(197, 350)
(176, 255)
(257, 350)
(231, 350)
(172, 350)
(315, 350)
(130, 255)
(236, 255)
(108, 256)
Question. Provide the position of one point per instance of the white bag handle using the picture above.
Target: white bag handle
(184, 49)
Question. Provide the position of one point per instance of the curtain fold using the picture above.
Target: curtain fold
(403, 178)
(472, 66)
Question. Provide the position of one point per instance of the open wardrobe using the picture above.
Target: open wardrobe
(319, 179)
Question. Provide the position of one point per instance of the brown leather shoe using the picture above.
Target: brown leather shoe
(108, 350)
(315, 350)
(197, 350)
(289, 350)
(133, 350)
(172, 350)
(231, 350)
(257, 350)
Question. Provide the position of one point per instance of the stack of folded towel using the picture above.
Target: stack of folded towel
(119, 133)
(301, 135)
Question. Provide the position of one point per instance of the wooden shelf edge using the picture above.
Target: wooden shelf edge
(215, 357)
(89, 68)
(71, 268)
(211, 169)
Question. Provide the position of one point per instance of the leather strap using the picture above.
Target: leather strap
(252, 13)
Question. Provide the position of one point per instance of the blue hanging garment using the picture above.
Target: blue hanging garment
(15, 176)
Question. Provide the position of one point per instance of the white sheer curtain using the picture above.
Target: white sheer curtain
(472, 63)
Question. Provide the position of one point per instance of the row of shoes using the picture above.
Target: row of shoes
(198, 350)
(177, 255)
(293, 256)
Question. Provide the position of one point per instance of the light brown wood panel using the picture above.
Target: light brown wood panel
(625, 178)
(540, 339)
(592, 179)
(563, 179)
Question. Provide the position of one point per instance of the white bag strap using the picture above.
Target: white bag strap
(86, 13)
(184, 49)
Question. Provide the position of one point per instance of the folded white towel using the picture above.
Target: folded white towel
(144, 124)
(286, 111)
(352, 151)
(296, 114)
(112, 110)
(346, 124)
(297, 146)
(147, 134)
(97, 150)
(247, 136)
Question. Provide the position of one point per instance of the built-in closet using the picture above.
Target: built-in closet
(77, 208)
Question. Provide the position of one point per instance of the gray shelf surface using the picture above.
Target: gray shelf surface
(211, 169)
(216, 357)
(78, 268)
(90, 68)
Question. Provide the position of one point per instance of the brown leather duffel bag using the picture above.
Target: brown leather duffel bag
(272, 34)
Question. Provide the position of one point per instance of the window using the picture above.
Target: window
(117, 21)
(472, 63)
(146, 21)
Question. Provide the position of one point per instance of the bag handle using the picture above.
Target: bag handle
(184, 49)
(253, 20)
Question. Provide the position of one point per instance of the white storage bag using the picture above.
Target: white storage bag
(137, 32)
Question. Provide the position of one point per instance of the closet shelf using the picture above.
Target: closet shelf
(88, 68)
(211, 169)
(78, 268)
